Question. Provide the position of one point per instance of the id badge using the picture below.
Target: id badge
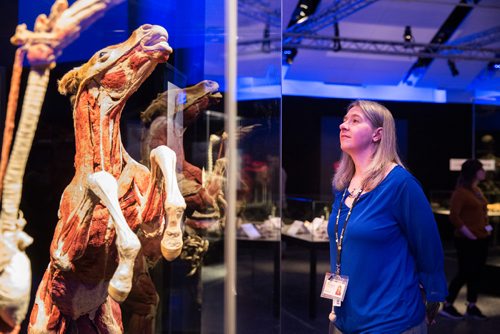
(334, 287)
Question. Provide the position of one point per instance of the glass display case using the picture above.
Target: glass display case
(179, 103)
(483, 143)
(486, 137)
(306, 218)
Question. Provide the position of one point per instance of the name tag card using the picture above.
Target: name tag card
(334, 288)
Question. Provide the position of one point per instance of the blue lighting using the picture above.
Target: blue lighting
(108, 30)
(184, 20)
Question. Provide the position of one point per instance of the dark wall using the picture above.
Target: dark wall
(9, 22)
(435, 133)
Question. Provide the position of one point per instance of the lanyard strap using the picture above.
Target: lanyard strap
(339, 240)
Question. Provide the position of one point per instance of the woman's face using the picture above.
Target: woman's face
(480, 175)
(357, 134)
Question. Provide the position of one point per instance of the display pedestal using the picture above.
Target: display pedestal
(180, 298)
(274, 245)
(313, 246)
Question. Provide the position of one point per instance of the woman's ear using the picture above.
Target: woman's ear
(377, 135)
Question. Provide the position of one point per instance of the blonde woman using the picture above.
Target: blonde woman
(384, 239)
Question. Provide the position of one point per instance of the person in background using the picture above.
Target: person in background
(469, 216)
(384, 238)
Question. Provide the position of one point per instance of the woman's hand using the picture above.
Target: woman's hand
(467, 233)
(431, 310)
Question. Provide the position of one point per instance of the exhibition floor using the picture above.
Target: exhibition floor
(255, 288)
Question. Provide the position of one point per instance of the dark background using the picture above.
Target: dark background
(434, 134)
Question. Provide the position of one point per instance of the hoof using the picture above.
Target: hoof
(171, 249)
(117, 295)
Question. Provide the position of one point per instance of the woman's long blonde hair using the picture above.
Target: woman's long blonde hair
(385, 151)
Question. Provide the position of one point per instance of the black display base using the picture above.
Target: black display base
(180, 298)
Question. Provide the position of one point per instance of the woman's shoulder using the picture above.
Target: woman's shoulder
(400, 174)
(399, 178)
(337, 192)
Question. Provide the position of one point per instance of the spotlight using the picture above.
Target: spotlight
(494, 66)
(453, 68)
(289, 55)
(408, 36)
(304, 9)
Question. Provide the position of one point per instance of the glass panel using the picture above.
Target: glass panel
(177, 105)
(487, 149)
(261, 178)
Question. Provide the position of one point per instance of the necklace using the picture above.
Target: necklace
(352, 193)
(339, 239)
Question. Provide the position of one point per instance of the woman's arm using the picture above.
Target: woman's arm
(415, 217)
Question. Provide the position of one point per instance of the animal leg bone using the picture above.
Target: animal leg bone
(104, 186)
(165, 158)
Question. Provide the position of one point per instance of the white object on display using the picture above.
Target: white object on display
(250, 231)
(296, 227)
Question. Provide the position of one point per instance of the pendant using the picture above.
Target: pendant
(332, 316)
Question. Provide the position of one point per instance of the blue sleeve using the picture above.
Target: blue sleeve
(417, 221)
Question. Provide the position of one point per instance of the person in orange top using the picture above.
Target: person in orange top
(469, 216)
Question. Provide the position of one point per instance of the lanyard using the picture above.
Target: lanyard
(339, 240)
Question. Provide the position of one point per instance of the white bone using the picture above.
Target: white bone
(104, 186)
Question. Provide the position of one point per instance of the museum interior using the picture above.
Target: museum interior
(167, 166)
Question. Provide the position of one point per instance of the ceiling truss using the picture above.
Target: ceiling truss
(328, 16)
(261, 11)
(410, 49)
(304, 36)
(406, 49)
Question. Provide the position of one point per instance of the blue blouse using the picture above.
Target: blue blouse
(391, 245)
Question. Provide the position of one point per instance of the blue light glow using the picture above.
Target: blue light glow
(108, 30)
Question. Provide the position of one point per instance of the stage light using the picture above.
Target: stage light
(494, 66)
(453, 68)
(408, 36)
(289, 55)
(304, 9)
